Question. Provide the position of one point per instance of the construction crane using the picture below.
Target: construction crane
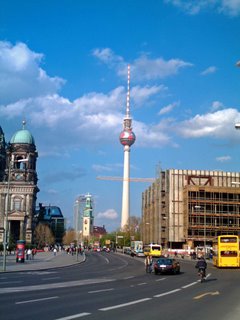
(122, 179)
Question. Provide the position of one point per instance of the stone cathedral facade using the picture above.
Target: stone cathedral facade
(18, 186)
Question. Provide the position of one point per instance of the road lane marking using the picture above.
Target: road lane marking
(56, 285)
(142, 283)
(130, 277)
(125, 304)
(207, 276)
(216, 293)
(36, 300)
(74, 316)
(189, 285)
(161, 279)
(103, 290)
(166, 293)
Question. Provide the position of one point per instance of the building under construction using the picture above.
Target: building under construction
(189, 208)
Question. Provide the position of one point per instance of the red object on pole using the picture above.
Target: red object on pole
(20, 251)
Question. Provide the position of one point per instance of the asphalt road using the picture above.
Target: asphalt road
(113, 286)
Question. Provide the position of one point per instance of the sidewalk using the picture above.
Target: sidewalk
(42, 261)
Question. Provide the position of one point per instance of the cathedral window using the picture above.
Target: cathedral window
(17, 204)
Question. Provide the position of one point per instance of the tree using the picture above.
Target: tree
(43, 235)
(69, 237)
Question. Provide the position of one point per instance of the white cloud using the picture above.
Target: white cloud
(216, 105)
(110, 214)
(142, 68)
(168, 108)
(96, 117)
(156, 135)
(100, 168)
(140, 95)
(219, 124)
(92, 118)
(192, 7)
(152, 69)
(21, 75)
(223, 158)
(107, 56)
(230, 7)
(209, 70)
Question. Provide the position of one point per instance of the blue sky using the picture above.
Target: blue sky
(63, 68)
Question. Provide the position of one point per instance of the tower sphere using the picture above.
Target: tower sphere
(127, 137)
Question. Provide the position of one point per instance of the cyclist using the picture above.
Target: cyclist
(201, 265)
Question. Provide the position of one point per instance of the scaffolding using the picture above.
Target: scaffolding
(191, 207)
(210, 212)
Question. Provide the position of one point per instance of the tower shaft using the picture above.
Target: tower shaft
(125, 192)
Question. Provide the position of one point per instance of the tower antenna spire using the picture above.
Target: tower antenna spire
(128, 93)
(127, 121)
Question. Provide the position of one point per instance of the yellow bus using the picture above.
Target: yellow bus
(154, 250)
(226, 251)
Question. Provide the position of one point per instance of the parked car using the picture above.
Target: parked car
(166, 265)
(127, 250)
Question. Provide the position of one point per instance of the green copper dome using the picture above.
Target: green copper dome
(22, 136)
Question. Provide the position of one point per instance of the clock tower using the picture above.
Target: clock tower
(88, 218)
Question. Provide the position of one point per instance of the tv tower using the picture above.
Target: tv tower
(127, 138)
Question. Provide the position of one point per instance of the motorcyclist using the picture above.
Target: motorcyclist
(202, 265)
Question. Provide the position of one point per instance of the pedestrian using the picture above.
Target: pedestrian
(34, 251)
(148, 264)
(29, 254)
(146, 261)
(54, 251)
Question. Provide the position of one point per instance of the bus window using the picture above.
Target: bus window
(229, 254)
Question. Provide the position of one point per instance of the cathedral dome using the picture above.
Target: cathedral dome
(22, 136)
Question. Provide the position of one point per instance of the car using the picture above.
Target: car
(127, 250)
(167, 265)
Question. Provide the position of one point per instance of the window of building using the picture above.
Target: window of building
(17, 204)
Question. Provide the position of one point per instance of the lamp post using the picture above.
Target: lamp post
(5, 238)
(204, 227)
(6, 219)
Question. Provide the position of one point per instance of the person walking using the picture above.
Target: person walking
(29, 253)
(148, 264)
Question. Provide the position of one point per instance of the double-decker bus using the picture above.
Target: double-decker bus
(226, 251)
(154, 250)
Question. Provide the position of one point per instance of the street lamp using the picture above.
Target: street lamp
(204, 227)
(5, 238)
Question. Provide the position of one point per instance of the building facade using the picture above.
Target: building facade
(53, 217)
(18, 186)
(186, 208)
